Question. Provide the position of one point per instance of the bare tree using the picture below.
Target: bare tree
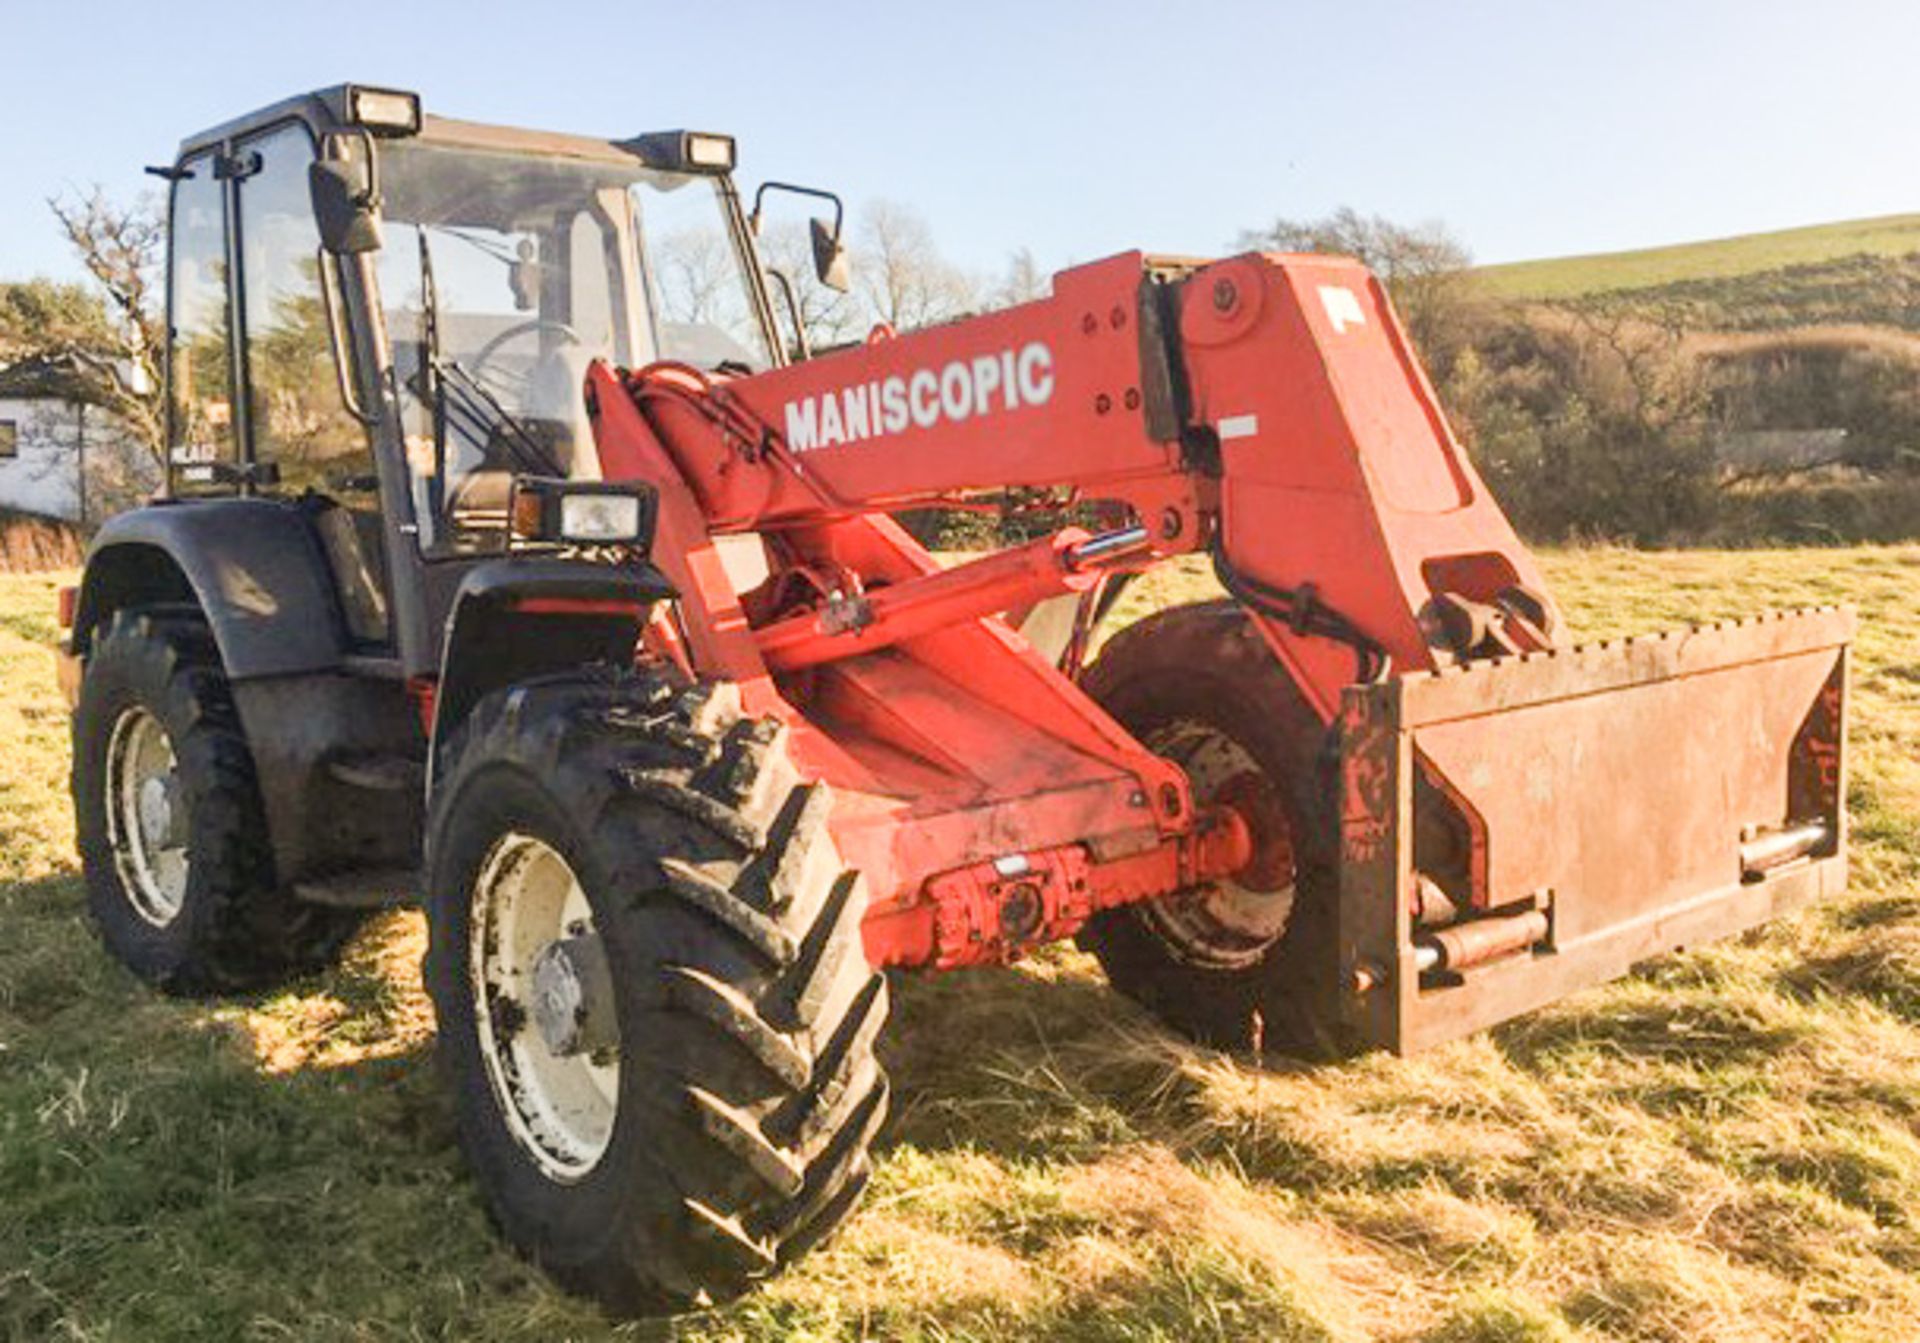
(699, 277)
(1390, 250)
(97, 348)
(697, 272)
(1589, 423)
(900, 278)
(901, 274)
(1022, 282)
(118, 358)
(830, 317)
(1423, 265)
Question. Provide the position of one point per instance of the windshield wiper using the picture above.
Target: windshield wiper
(476, 401)
(486, 419)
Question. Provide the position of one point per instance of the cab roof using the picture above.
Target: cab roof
(326, 111)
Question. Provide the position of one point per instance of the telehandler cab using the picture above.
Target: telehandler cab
(499, 571)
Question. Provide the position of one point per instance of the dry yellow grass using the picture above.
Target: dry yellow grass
(1724, 1146)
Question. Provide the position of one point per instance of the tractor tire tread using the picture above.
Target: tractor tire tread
(1207, 661)
(239, 929)
(741, 937)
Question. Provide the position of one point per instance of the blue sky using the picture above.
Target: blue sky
(1533, 129)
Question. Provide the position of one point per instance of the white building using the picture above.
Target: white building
(49, 440)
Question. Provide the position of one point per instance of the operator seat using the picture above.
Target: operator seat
(555, 411)
(556, 396)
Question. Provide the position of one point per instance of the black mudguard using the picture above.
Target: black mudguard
(254, 566)
(520, 618)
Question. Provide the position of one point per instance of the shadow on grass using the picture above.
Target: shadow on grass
(1886, 911)
(1695, 1029)
(283, 1162)
(1883, 969)
(1019, 1064)
(185, 1170)
(1056, 1070)
(1016, 1065)
(35, 628)
(158, 1179)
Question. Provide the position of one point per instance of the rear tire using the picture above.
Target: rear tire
(172, 836)
(1235, 969)
(734, 1106)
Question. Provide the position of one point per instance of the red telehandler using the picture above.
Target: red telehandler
(498, 572)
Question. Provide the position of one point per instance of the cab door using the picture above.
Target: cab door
(298, 422)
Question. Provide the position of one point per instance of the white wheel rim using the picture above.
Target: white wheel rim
(147, 817)
(560, 1108)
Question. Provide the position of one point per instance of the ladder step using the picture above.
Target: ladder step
(378, 773)
(372, 888)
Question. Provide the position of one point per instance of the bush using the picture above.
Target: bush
(1587, 427)
(1846, 509)
(1811, 381)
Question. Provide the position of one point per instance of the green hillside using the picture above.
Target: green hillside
(1821, 245)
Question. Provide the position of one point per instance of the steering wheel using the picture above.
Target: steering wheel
(492, 377)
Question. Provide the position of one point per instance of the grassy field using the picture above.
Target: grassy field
(1725, 1146)
(1718, 259)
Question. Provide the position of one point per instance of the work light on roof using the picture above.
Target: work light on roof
(684, 151)
(384, 111)
(709, 151)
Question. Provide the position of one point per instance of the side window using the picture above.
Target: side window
(200, 376)
(296, 415)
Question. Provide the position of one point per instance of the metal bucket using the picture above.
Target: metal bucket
(1585, 809)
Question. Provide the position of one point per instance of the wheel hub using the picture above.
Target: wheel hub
(156, 810)
(147, 816)
(1233, 921)
(573, 997)
(543, 1006)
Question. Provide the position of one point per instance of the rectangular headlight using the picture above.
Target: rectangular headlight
(600, 519)
(385, 111)
(551, 511)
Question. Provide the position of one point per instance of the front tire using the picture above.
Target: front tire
(1248, 964)
(172, 835)
(654, 1008)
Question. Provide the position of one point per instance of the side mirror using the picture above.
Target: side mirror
(830, 257)
(829, 253)
(344, 206)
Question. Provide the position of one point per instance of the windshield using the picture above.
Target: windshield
(502, 276)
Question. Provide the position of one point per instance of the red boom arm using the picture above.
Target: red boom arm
(1266, 408)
